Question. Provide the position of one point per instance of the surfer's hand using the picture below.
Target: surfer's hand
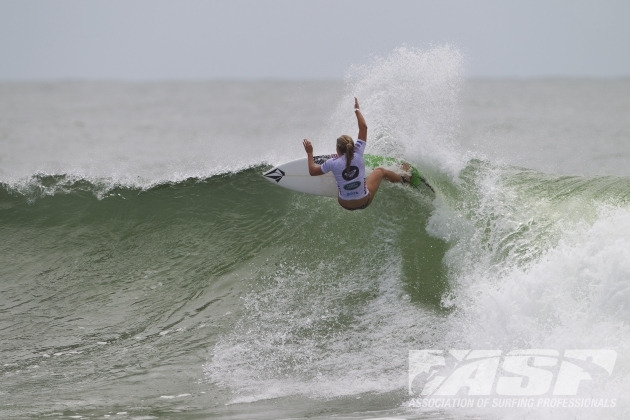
(356, 103)
(308, 146)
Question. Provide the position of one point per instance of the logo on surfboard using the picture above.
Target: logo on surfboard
(276, 174)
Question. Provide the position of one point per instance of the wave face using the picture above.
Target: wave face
(120, 287)
(176, 282)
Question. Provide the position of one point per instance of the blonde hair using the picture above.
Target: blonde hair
(345, 145)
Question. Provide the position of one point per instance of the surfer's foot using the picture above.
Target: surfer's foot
(407, 178)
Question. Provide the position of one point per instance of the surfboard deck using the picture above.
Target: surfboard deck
(294, 175)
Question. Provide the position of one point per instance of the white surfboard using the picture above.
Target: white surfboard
(294, 175)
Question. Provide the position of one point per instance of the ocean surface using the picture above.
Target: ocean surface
(148, 271)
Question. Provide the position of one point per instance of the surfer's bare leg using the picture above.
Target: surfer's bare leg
(377, 175)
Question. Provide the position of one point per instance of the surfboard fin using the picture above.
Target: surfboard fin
(424, 181)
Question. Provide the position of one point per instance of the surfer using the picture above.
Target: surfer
(355, 191)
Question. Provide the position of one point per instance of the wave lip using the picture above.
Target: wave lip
(41, 184)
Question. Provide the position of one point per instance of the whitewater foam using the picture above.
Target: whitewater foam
(540, 264)
(321, 333)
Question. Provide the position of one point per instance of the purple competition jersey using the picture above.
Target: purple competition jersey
(351, 181)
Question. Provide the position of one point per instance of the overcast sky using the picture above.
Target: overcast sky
(293, 39)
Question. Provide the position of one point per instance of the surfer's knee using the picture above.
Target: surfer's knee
(389, 175)
(375, 178)
(380, 172)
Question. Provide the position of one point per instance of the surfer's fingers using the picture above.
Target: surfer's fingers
(307, 145)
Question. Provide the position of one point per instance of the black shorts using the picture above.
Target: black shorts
(363, 206)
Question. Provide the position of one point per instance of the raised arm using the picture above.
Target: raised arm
(313, 169)
(362, 124)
